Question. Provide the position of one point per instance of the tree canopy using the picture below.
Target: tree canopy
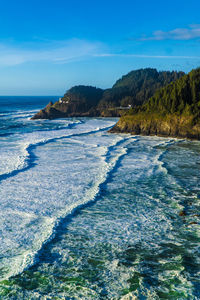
(181, 96)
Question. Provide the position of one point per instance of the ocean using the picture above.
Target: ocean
(85, 214)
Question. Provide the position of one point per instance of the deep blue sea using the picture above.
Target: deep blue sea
(85, 214)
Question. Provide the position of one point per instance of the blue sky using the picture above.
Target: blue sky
(48, 46)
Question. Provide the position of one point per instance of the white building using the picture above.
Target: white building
(60, 100)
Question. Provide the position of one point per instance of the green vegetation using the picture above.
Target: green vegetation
(181, 97)
(133, 89)
(142, 84)
(174, 110)
(82, 98)
(136, 88)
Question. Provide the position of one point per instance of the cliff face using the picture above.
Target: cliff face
(133, 89)
(78, 101)
(49, 112)
(166, 126)
(173, 111)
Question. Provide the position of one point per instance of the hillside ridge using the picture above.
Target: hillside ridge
(133, 89)
(173, 111)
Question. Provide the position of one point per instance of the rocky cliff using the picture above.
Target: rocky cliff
(78, 101)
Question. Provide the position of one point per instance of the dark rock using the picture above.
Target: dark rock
(182, 213)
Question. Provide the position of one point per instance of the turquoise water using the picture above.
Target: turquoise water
(90, 215)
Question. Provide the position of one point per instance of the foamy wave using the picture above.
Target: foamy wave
(28, 258)
(20, 161)
(158, 158)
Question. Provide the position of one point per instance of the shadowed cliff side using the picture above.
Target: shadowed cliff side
(78, 101)
(173, 111)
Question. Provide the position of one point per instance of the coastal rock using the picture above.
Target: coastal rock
(166, 126)
(182, 213)
(78, 101)
(49, 112)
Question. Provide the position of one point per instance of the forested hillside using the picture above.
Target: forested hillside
(133, 89)
(173, 111)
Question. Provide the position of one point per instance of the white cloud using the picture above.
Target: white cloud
(146, 56)
(190, 33)
(58, 52)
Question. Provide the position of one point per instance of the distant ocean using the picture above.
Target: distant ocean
(85, 214)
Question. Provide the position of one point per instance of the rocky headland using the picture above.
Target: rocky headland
(148, 102)
(173, 111)
(131, 90)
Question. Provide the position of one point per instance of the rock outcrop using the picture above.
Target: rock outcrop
(167, 126)
(78, 101)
